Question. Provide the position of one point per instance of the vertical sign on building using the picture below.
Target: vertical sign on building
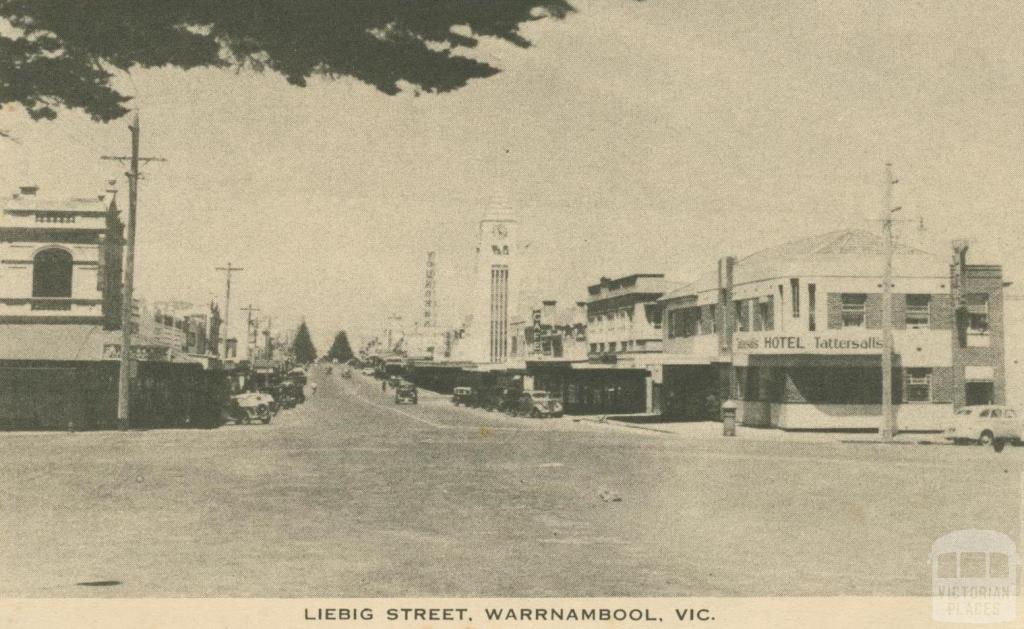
(428, 293)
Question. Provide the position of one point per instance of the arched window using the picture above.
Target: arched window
(51, 277)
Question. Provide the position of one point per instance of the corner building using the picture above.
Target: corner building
(793, 333)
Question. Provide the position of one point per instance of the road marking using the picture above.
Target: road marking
(398, 411)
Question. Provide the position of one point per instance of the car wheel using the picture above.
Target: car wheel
(986, 438)
(534, 414)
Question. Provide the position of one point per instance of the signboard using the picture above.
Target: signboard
(826, 343)
(112, 351)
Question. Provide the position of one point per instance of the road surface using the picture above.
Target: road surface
(351, 496)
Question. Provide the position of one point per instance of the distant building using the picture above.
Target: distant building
(493, 291)
(551, 332)
(624, 318)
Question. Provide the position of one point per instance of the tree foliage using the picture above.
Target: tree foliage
(62, 54)
(340, 350)
(302, 346)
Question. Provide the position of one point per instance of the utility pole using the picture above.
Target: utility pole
(268, 345)
(250, 334)
(127, 299)
(888, 428)
(228, 270)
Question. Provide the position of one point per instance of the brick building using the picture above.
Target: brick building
(794, 334)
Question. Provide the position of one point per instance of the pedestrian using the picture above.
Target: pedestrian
(383, 386)
(312, 387)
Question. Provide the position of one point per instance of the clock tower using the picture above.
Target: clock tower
(495, 285)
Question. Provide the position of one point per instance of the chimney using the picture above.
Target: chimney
(29, 191)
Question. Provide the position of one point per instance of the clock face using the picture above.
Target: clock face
(500, 230)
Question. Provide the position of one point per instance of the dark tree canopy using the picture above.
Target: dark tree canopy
(61, 53)
(302, 347)
(340, 350)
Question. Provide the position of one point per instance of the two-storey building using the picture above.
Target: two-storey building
(60, 315)
(60, 259)
(794, 334)
(624, 339)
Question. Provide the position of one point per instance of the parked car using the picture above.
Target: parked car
(538, 404)
(464, 396)
(298, 374)
(501, 398)
(405, 393)
(347, 373)
(249, 407)
(367, 371)
(985, 425)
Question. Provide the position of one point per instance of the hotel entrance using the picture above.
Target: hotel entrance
(691, 392)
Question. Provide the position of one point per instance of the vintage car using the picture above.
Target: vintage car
(405, 393)
(538, 404)
(347, 373)
(298, 374)
(464, 396)
(504, 399)
(986, 425)
(248, 407)
(367, 371)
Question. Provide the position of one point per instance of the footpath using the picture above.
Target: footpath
(713, 430)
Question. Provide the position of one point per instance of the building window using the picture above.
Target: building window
(611, 346)
(766, 311)
(653, 314)
(742, 315)
(51, 278)
(691, 321)
(918, 310)
(593, 348)
(919, 385)
(794, 291)
(854, 308)
(977, 314)
(713, 318)
(812, 324)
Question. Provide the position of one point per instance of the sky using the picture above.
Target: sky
(631, 137)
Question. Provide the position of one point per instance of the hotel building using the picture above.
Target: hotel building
(793, 333)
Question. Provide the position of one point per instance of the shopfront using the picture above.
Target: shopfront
(833, 381)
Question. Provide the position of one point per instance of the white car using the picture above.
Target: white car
(985, 425)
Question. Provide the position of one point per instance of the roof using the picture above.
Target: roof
(847, 252)
(54, 341)
(840, 242)
(32, 203)
(657, 283)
